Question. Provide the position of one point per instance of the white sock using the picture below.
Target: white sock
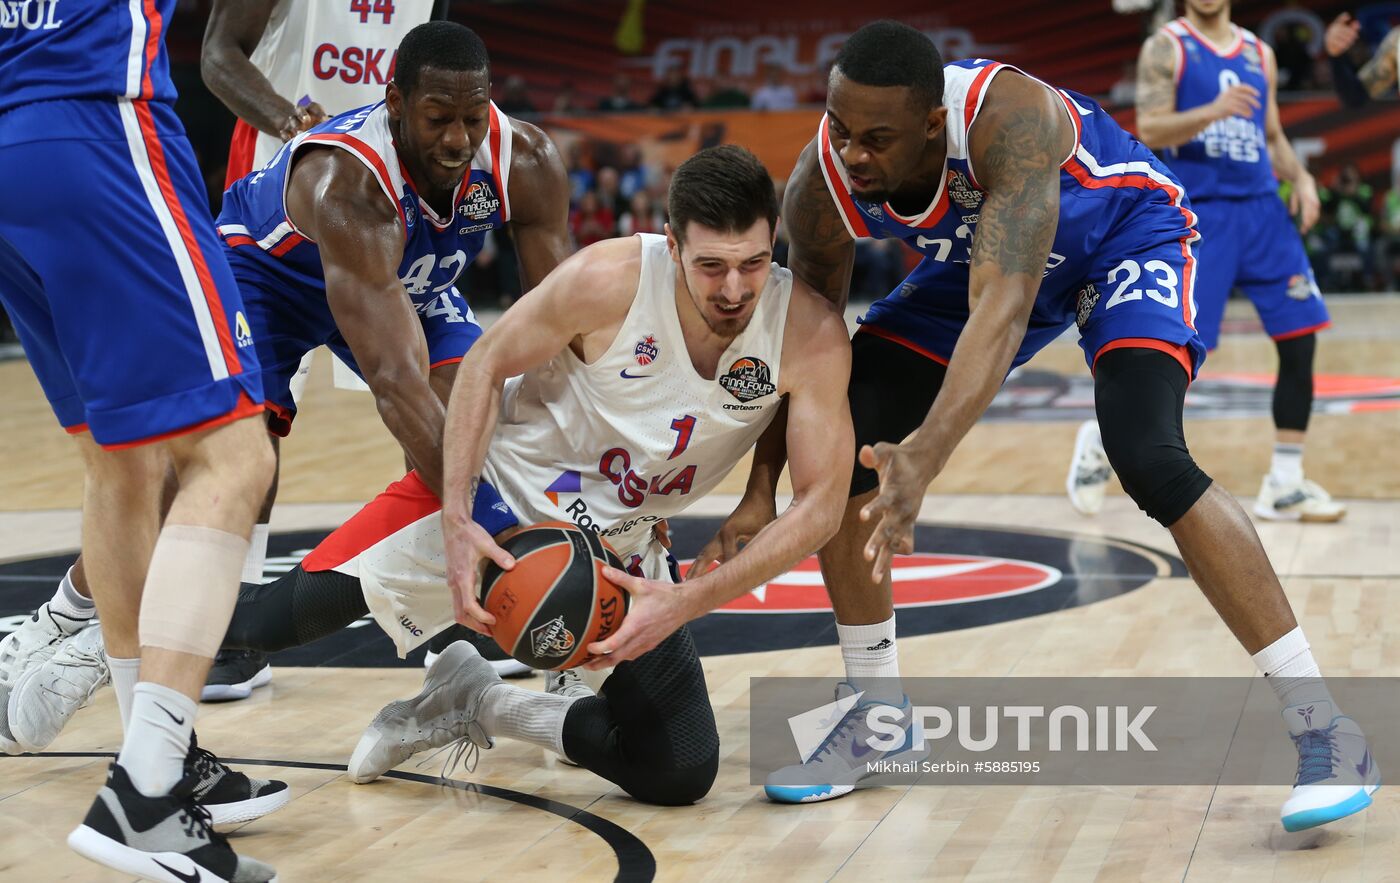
(75, 610)
(125, 673)
(872, 659)
(1287, 468)
(1291, 671)
(257, 555)
(153, 752)
(527, 715)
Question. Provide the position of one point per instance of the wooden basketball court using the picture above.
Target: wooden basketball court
(523, 814)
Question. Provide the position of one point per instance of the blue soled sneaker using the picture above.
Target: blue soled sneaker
(165, 838)
(1336, 773)
(845, 759)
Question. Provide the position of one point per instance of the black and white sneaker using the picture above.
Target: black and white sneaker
(235, 674)
(506, 666)
(231, 797)
(165, 838)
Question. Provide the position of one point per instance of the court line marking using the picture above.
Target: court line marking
(635, 862)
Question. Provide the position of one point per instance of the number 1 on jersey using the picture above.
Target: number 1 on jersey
(684, 427)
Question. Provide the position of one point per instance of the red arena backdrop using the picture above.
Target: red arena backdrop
(554, 45)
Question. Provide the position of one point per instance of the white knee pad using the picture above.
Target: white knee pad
(191, 588)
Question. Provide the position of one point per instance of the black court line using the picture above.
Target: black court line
(635, 863)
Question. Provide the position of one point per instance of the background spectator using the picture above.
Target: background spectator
(641, 216)
(606, 186)
(774, 94)
(674, 92)
(566, 101)
(591, 221)
(726, 96)
(514, 101)
(620, 99)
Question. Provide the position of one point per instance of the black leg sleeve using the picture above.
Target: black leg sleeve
(651, 730)
(296, 609)
(1139, 395)
(1293, 393)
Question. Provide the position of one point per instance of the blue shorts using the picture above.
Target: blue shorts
(1252, 244)
(1133, 290)
(290, 318)
(136, 331)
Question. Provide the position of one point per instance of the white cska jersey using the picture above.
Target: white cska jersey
(338, 53)
(638, 435)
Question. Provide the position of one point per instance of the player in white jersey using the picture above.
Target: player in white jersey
(648, 366)
(282, 66)
(1377, 77)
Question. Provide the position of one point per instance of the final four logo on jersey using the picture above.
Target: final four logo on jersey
(1251, 58)
(747, 379)
(961, 191)
(410, 211)
(480, 201)
(646, 350)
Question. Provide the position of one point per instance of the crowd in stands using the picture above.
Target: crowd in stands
(1354, 247)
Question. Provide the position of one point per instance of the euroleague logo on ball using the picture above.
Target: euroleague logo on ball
(646, 350)
(552, 639)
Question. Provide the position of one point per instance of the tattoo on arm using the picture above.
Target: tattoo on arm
(1156, 80)
(821, 247)
(1021, 168)
(1379, 74)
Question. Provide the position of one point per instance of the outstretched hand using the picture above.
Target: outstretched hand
(903, 480)
(752, 515)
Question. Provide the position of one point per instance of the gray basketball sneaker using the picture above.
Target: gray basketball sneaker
(444, 712)
(165, 838)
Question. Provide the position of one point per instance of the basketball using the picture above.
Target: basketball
(555, 602)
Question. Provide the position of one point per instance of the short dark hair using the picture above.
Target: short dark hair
(721, 188)
(444, 45)
(890, 53)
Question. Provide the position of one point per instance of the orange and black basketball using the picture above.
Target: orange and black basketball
(555, 601)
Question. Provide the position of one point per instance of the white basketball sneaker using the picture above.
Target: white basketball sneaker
(31, 644)
(1336, 773)
(1304, 501)
(48, 694)
(443, 712)
(845, 760)
(1089, 470)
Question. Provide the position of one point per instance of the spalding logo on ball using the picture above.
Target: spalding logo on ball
(555, 602)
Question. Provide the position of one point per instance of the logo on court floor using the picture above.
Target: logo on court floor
(959, 577)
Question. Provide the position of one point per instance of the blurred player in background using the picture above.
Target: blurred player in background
(1376, 78)
(1206, 97)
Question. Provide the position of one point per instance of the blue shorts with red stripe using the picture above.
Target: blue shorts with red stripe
(1251, 244)
(136, 330)
(1133, 290)
(290, 316)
